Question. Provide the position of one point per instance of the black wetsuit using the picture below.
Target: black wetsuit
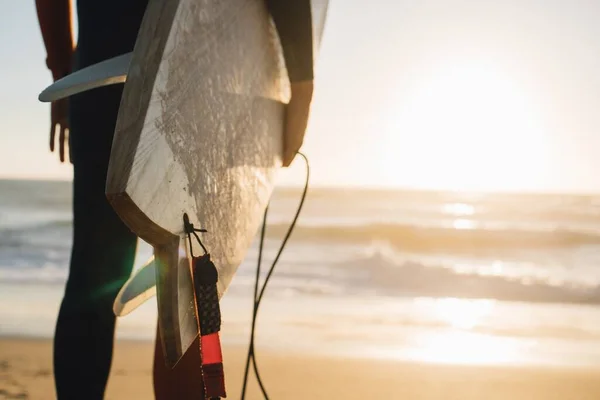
(103, 247)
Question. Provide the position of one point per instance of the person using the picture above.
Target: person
(104, 248)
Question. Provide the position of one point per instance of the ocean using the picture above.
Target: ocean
(437, 277)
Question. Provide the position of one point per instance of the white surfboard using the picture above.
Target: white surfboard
(199, 132)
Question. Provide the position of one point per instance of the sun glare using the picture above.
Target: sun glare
(463, 348)
(458, 209)
(461, 313)
(469, 126)
(458, 342)
(463, 224)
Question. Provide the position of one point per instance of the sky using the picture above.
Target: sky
(435, 94)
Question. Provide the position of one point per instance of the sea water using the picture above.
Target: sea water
(459, 278)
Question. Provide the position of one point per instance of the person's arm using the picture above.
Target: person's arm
(293, 20)
(56, 23)
(55, 19)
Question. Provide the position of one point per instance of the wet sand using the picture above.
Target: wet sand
(26, 373)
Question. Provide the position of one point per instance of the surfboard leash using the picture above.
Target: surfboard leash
(208, 316)
(258, 296)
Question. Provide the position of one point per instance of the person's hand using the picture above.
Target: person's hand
(296, 120)
(59, 122)
(59, 110)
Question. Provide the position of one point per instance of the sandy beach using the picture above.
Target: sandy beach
(341, 293)
(26, 373)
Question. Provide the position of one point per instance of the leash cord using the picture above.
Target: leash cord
(258, 296)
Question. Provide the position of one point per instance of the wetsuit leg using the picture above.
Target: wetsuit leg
(102, 255)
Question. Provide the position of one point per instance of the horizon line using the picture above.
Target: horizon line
(373, 188)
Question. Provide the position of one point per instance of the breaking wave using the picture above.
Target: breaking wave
(438, 238)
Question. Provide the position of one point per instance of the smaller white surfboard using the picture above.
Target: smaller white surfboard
(109, 72)
(141, 286)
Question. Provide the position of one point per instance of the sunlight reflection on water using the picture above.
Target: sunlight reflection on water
(458, 209)
(460, 345)
(463, 347)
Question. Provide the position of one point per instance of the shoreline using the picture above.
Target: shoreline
(26, 371)
(237, 348)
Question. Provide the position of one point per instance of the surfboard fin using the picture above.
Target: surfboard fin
(176, 300)
(139, 288)
(179, 328)
(108, 72)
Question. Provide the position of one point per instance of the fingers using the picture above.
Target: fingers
(59, 121)
(52, 127)
(52, 130)
(288, 157)
(61, 143)
(296, 123)
(292, 140)
(289, 153)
